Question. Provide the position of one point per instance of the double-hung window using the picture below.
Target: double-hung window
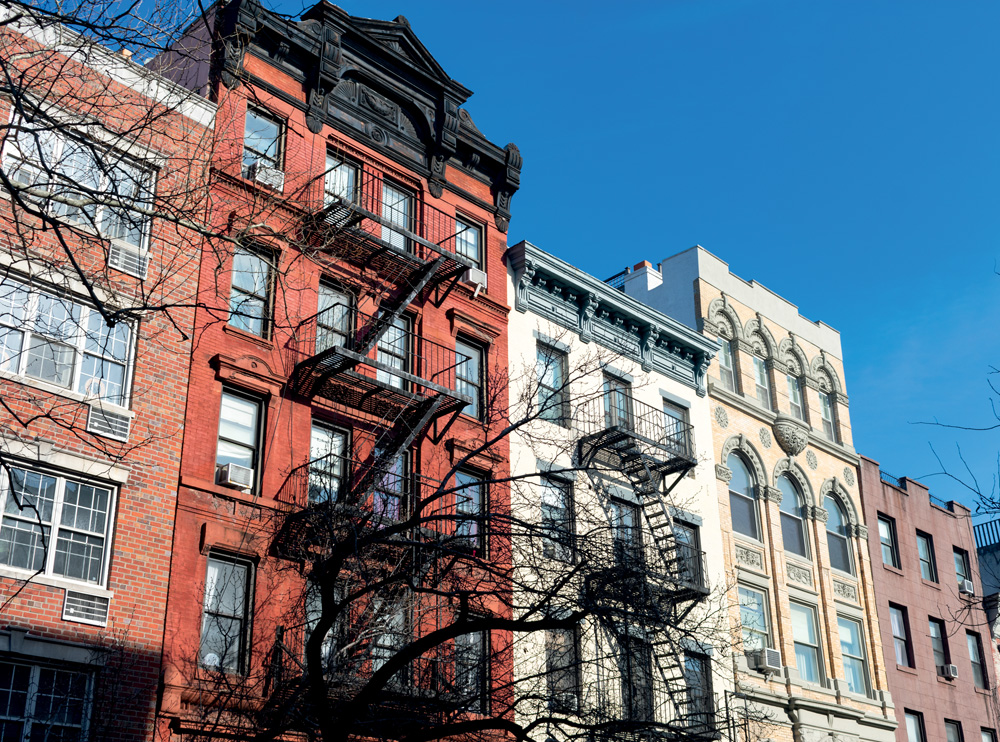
(617, 402)
(550, 366)
(826, 408)
(469, 376)
(699, 703)
(793, 526)
(763, 382)
(626, 534)
(63, 343)
(676, 428)
(953, 731)
(39, 506)
(226, 615)
(852, 649)
(939, 642)
(250, 293)
(389, 635)
(557, 519)
(901, 636)
(470, 505)
(807, 656)
(887, 538)
(43, 703)
(837, 540)
(468, 239)
(742, 498)
(239, 431)
(472, 663)
(979, 675)
(393, 350)
(334, 319)
(687, 542)
(962, 571)
(263, 137)
(754, 619)
(637, 678)
(562, 669)
(340, 180)
(795, 397)
(914, 726)
(327, 463)
(398, 211)
(119, 190)
(727, 365)
(392, 487)
(925, 551)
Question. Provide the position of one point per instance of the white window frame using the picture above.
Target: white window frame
(327, 467)
(29, 687)
(764, 633)
(464, 228)
(55, 525)
(980, 675)
(862, 658)
(802, 642)
(340, 180)
(394, 349)
(795, 397)
(255, 447)
(240, 296)
(727, 365)
(472, 384)
(400, 212)
(334, 317)
(19, 307)
(558, 533)
(762, 380)
(552, 401)
(826, 407)
(274, 161)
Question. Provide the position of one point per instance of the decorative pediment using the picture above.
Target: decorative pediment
(397, 36)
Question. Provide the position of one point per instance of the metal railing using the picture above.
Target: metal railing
(617, 281)
(617, 411)
(987, 534)
(390, 214)
(401, 358)
(894, 481)
(944, 504)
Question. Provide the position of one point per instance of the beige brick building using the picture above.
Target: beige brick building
(794, 536)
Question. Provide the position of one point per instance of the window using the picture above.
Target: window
(887, 537)
(763, 382)
(793, 527)
(71, 170)
(334, 318)
(836, 536)
(925, 551)
(250, 294)
(939, 642)
(953, 731)
(807, 656)
(469, 507)
(472, 662)
(467, 240)
(727, 366)
(988, 735)
(562, 668)
(262, 142)
(38, 505)
(901, 636)
(550, 365)
(962, 571)
(914, 727)
(397, 209)
(626, 534)
(852, 648)
(687, 542)
(976, 658)
(469, 376)
(64, 343)
(699, 703)
(617, 402)
(742, 498)
(637, 678)
(340, 181)
(795, 397)
(753, 619)
(675, 421)
(327, 448)
(391, 488)
(336, 638)
(826, 411)
(239, 431)
(389, 635)
(225, 619)
(42, 703)
(557, 519)
(394, 351)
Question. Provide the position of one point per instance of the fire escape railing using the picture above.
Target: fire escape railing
(613, 417)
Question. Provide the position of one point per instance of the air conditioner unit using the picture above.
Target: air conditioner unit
(272, 177)
(475, 276)
(967, 588)
(948, 671)
(108, 424)
(766, 660)
(127, 260)
(234, 475)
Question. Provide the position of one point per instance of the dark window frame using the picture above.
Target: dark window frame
(904, 640)
(240, 296)
(892, 545)
(479, 356)
(245, 618)
(277, 161)
(931, 561)
(257, 448)
(553, 402)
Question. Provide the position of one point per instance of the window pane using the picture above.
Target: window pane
(468, 375)
(340, 180)
(953, 731)
(753, 618)
(85, 507)
(467, 240)
(925, 549)
(852, 649)
(914, 728)
(33, 495)
(23, 544)
(48, 361)
(792, 526)
(326, 465)
(79, 556)
(744, 515)
(806, 642)
(333, 319)
(239, 419)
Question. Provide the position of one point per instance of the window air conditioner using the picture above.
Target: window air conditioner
(108, 424)
(766, 660)
(475, 276)
(967, 588)
(272, 177)
(127, 260)
(234, 475)
(948, 671)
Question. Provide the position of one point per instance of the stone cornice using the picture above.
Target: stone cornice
(741, 403)
(842, 452)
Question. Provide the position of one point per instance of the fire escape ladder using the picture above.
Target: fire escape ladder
(391, 309)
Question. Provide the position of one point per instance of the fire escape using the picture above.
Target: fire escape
(645, 587)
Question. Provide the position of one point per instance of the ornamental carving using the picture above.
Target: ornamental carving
(792, 434)
(849, 476)
(750, 557)
(773, 494)
(812, 460)
(845, 590)
(800, 575)
(765, 437)
(723, 473)
(817, 513)
(722, 417)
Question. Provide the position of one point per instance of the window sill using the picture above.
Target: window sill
(930, 583)
(890, 568)
(62, 391)
(907, 670)
(983, 691)
(54, 581)
(248, 336)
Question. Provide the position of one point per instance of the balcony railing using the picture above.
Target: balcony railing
(894, 481)
(398, 360)
(617, 412)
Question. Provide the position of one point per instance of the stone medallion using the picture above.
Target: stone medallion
(849, 476)
(722, 417)
(811, 460)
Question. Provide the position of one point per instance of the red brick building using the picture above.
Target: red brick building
(96, 287)
(936, 636)
(342, 380)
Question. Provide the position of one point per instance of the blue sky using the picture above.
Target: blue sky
(842, 153)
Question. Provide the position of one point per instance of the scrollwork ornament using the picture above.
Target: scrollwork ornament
(772, 494)
(800, 575)
(792, 435)
(524, 284)
(723, 473)
(588, 308)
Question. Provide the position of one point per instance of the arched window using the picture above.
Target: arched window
(742, 498)
(793, 532)
(836, 536)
